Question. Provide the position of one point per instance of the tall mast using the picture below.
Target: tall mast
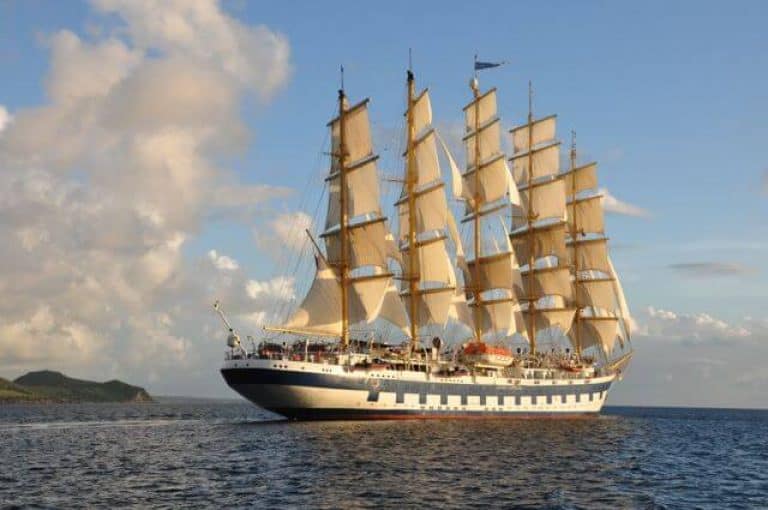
(476, 199)
(531, 218)
(574, 222)
(410, 180)
(344, 263)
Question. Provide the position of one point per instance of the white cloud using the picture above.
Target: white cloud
(104, 184)
(286, 233)
(256, 57)
(222, 262)
(695, 327)
(280, 288)
(614, 205)
(5, 118)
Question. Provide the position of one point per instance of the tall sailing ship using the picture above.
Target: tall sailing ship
(530, 284)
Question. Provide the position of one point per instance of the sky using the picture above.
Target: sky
(158, 155)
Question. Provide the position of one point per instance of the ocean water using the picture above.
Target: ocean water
(230, 454)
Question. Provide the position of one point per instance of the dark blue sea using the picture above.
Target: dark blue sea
(230, 454)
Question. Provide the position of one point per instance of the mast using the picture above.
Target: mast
(344, 230)
(531, 218)
(598, 305)
(476, 291)
(541, 224)
(352, 279)
(428, 277)
(493, 275)
(410, 182)
(576, 281)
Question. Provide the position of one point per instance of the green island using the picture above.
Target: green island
(47, 386)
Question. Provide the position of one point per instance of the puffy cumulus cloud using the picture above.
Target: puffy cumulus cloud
(222, 261)
(690, 327)
(285, 233)
(104, 184)
(256, 57)
(612, 204)
(695, 359)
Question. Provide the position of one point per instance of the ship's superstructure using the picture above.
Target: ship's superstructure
(532, 261)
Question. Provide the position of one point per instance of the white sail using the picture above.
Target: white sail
(357, 135)
(585, 215)
(425, 157)
(548, 240)
(493, 180)
(431, 211)
(543, 131)
(581, 178)
(489, 139)
(545, 161)
(459, 310)
(548, 199)
(431, 266)
(367, 244)
(546, 318)
(422, 112)
(320, 311)
(547, 282)
(392, 308)
(497, 271)
(502, 316)
(485, 104)
(592, 254)
(596, 293)
(456, 180)
(432, 263)
(362, 192)
(598, 331)
(366, 297)
(626, 317)
(433, 305)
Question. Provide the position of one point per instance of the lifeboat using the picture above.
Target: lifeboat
(479, 353)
